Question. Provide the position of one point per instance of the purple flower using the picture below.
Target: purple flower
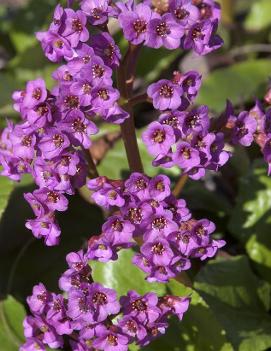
(92, 304)
(244, 129)
(186, 157)
(143, 308)
(138, 185)
(35, 93)
(53, 143)
(159, 187)
(201, 38)
(184, 12)
(190, 83)
(38, 327)
(158, 252)
(196, 121)
(54, 46)
(165, 95)
(118, 231)
(164, 31)
(132, 327)
(78, 128)
(55, 201)
(104, 97)
(97, 11)
(33, 344)
(39, 299)
(158, 138)
(111, 339)
(75, 27)
(45, 227)
(135, 23)
(105, 47)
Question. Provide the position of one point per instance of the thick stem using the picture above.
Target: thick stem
(92, 170)
(179, 186)
(125, 79)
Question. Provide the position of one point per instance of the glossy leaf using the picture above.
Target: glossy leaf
(6, 187)
(24, 260)
(123, 276)
(251, 217)
(239, 301)
(259, 16)
(12, 314)
(193, 333)
(239, 83)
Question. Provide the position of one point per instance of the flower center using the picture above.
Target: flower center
(86, 88)
(160, 186)
(72, 101)
(103, 94)
(159, 136)
(197, 33)
(96, 13)
(205, 11)
(159, 223)
(59, 44)
(97, 71)
(131, 326)
(83, 307)
(112, 340)
(42, 110)
(117, 225)
(163, 30)
(26, 141)
(139, 305)
(141, 184)
(109, 51)
(86, 59)
(77, 25)
(180, 13)
(99, 298)
(140, 26)
(37, 93)
(166, 91)
(58, 140)
(193, 120)
(52, 197)
(79, 126)
(158, 249)
(135, 215)
(186, 153)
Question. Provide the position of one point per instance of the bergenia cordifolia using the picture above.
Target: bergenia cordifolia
(52, 144)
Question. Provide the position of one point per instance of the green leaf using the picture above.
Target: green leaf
(251, 217)
(259, 16)
(26, 261)
(6, 187)
(12, 314)
(239, 83)
(239, 302)
(123, 276)
(194, 333)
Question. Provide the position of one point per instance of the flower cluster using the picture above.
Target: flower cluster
(248, 127)
(150, 215)
(182, 135)
(92, 317)
(57, 125)
(172, 24)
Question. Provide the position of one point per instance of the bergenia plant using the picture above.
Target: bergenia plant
(94, 83)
